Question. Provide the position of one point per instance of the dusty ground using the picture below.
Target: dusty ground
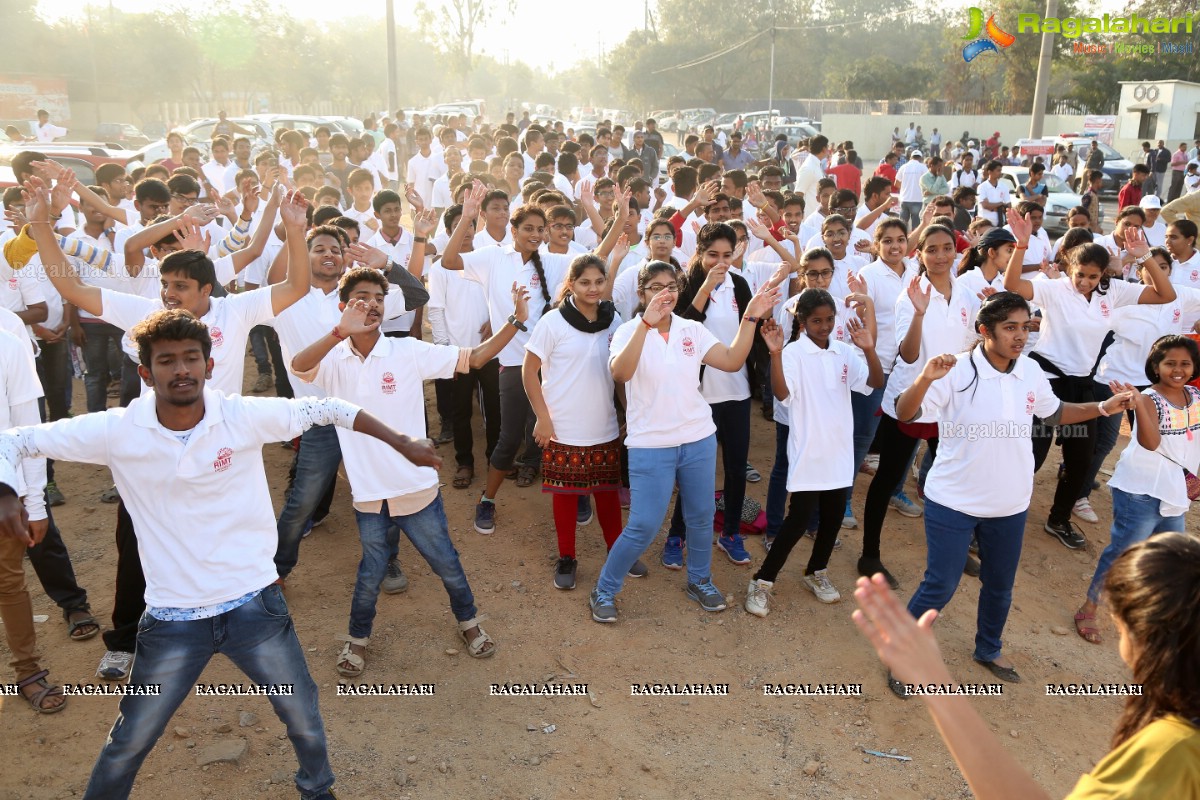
(463, 743)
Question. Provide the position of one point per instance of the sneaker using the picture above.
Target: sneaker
(905, 506)
(446, 435)
(1066, 533)
(752, 475)
(868, 567)
(263, 383)
(583, 515)
(110, 495)
(623, 496)
(485, 517)
(638, 570)
(758, 598)
(564, 573)
(837, 543)
(767, 542)
(848, 520)
(1083, 510)
(53, 496)
(672, 554)
(870, 464)
(733, 547)
(819, 584)
(395, 581)
(308, 526)
(115, 665)
(708, 596)
(604, 607)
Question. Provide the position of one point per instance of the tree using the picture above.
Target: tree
(455, 23)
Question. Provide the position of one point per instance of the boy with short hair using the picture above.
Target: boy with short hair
(362, 185)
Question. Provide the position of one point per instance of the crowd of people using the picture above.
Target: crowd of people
(616, 325)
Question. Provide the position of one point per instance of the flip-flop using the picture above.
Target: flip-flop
(463, 477)
(1086, 631)
(87, 620)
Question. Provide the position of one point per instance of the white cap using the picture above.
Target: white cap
(915, 154)
(1150, 201)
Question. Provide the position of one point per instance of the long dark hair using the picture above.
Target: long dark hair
(579, 265)
(925, 234)
(805, 304)
(977, 256)
(995, 309)
(711, 232)
(1095, 255)
(518, 218)
(1153, 588)
(1070, 240)
(647, 273)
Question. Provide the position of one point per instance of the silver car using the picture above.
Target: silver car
(1059, 202)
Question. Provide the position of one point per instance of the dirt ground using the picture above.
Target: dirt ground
(464, 743)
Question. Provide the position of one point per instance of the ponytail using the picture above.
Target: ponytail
(535, 258)
(973, 258)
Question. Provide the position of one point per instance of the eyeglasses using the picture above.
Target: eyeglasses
(184, 200)
(815, 275)
(743, 238)
(563, 226)
(673, 288)
(662, 237)
(845, 211)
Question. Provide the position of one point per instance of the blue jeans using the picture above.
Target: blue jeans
(732, 419)
(947, 536)
(1108, 432)
(316, 467)
(430, 535)
(259, 638)
(653, 471)
(777, 493)
(910, 214)
(866, 422)
(101, 339)
(1136, 517)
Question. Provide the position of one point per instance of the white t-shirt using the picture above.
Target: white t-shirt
(665, 407)
(496, 269)
(821, 442)
(19, 384)
(422, 172)
(808, 176)
(463, 301)
(985, 435)
(1074, 327)
(884, 287)
(1149, 472)
(49, 132)
(576, 381)
(368, 223)
(1135, 328)
(484, 239)
(215, 172)
(909, 176)
(1063, 172)
(992, 194)
(399, 253)
(721, 319)
(385, 159)
(1187, 273)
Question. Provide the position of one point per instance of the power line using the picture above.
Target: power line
(719, 54)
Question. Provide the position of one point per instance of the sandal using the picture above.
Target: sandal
(37, 698)
(525, 476)
(752, 474)
(347, 656)
(110, 495)
(477, 647)
(463, 478)
(1086, 632)
(74, 626)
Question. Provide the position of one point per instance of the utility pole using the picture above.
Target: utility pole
(771, 80)
(393, 95)
(1041, 89)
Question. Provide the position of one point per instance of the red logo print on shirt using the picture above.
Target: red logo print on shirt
(12, 284)
(1029, 398)
(1195, 276)
(963, 314)
(217, 337)
(845, 372)
(1104, 308)
(534, 281)
(839, 334)
(389, 383)
(1175, 315)
(689, 347)
(224, 459)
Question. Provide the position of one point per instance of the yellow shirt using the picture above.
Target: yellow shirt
(1162, 760)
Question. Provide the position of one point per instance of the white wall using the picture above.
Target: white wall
(872, 133)
(1180, 103)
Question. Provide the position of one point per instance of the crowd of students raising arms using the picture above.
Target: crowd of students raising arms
(617, 333)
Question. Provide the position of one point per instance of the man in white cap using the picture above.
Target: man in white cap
(1155, 229)
(908, 178)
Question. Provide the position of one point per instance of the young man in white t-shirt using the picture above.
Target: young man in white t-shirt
(362, 188)
(424, 167)
(993, 193)
(354, 362)
(185, 452)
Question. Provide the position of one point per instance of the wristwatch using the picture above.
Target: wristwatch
(516, 323)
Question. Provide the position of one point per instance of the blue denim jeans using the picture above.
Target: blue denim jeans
(866, 421)
(430, 535)
(102, 338)
(1136, 517)
(777, 493)
(259, 638)
(653, 471)
(732, 419)
(1108, 432)
(947, 536)
(316, 467)
(910, 214)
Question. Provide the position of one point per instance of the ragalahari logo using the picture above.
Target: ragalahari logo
(994, 36)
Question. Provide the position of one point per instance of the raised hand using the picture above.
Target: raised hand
(60, 195)
(864, 246)
(250, 197)
(1051, 270)
(192, 237)
(587, 192)
(201, 213)
(425, 223)
(225, 205)
(472, 201)
(758, 229)
(715, 277)
(739, 251)
(354, 319)
(414, 197)
(754, 195)
(293, 211)
(659, 307)
(938, 367)
(1021, 227)
(919, 299)
(927, 214)
(859, 334)
(781, 274)
(366, 255)
(986, 292)
(15, 218)
(620, 250)
(856, 283)
(1135, 242)
(907, 646)
(37, 199)
(762, 303)
(772, 334)
(520, 298)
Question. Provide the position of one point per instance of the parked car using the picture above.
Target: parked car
(121, 133)
(1117, 168)
(80, 158)
(1059, 202)
(198, 134)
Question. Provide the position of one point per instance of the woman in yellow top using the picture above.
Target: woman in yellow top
(1153, 590)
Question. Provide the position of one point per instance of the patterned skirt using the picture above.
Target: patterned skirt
(569, 469)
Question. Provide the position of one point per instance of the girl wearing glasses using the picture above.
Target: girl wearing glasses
(658, 244)
(671, 434)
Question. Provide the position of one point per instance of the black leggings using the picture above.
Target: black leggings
(1078, 445)
(895, 449)
(830, 505)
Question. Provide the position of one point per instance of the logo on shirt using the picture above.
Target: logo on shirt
(1195, 276)
(1104, 308)
(534, 281)
(217, 337)
(1029, 398)
(963, 314)
(12, 284)
(224, 459)
(1175, 315)
(845, 372)
(839, 334)
(388, 386)
(689, 347)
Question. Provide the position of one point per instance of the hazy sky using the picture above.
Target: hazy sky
(608, 29)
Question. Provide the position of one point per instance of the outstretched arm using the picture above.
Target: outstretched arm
(299, 274)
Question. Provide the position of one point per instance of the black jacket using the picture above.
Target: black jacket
(743, 295)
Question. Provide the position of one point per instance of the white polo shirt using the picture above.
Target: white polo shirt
(665, 407)
(576, 381)
(496, 269)
(19, 384)
(1074, 327)
(484, 239)
(984, 435)
(388, 383)
(202, 509)
(367, 219)
(821, 442)
(422, 172)
(229, 320)
(464, 302)
(948, 327)
(400, 253)
(992, 194)
(884, 287)
(1135, 329)
(1187, 273)
(721, 319)
(909, 176)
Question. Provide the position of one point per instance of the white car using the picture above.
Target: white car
(1059, 202)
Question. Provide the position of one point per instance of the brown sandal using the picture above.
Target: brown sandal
(37, 698)
(1087, 633)
(463, 478)
(525, 476)
(77, 628)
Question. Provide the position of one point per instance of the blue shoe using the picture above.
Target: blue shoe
(907, 507)
(485, 517)
(603, 605)
(583, 510)
(733, 547)
(672, 554)
(308, 528)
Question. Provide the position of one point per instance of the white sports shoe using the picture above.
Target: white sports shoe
(819, 584)
(758, 598)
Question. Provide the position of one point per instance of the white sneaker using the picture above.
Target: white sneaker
(758, 598)
(1083, 510)
(819, 584)
(115, 665)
